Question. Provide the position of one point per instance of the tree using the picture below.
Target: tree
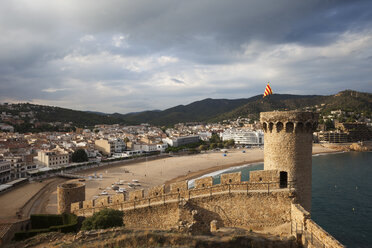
(230, 143)
(215, 138)
(212, 146)
(126, 140)
(79, 156)
(329, 124)
(105, 218)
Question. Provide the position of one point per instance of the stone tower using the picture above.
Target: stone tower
(288, 148)
(68, 193)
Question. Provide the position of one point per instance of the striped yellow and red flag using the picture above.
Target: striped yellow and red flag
(268, 90)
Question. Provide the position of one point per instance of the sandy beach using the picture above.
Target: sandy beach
(151, 173)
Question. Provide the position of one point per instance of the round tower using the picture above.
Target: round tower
(288, 148)
(68, 193)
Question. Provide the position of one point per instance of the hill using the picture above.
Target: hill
(199, 111)
(207, 110)
(212, 110)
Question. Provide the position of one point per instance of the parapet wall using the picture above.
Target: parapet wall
(253, 205)
(179, 190)
(308, 233)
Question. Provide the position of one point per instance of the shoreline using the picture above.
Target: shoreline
(149, 172)
(197, 174)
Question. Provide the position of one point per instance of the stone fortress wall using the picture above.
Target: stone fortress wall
(253, 204)
(276, 196)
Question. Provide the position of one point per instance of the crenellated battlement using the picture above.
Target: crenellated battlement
(265, 181)
(289, 122)
(277, 197)
(288, 148)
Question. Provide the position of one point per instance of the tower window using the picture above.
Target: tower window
(279, 127)
(271, 125)
(265, 127)
(299, 127)
(308, 127)
(289, 127)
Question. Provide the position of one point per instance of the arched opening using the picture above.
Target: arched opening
(271, 125)
(300, 127)
(289, 127)
(283, 179)
(264, 126)
(279, 127)
(315, 126)
(308, 127)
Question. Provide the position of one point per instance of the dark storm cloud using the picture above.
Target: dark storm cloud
(125, 56)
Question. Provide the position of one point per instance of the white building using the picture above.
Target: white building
(180, 141)
(161, 147)
(53, 158)
(205, 135)
(145, 147)
(244, 136)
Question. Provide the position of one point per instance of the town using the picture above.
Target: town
(35, 155)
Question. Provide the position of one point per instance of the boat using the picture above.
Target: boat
(104, 193)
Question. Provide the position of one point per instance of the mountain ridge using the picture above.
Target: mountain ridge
(206, 110)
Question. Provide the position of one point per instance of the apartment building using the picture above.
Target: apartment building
(19, 165)
(180, 141)
(243, 136)
(145, 147)
(109, 147)
(53, 158)
(4, 171)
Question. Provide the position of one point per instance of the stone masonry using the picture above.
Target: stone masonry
(68, 193)
(288, 148)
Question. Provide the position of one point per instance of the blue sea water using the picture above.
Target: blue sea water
(341, 195)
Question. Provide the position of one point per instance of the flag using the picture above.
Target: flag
(268, 90)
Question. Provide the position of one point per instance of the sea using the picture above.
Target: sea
(341, 194)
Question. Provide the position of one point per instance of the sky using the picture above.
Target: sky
(129, 56)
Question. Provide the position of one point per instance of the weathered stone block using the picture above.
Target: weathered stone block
(231, 178)
(136, 195)
(264, 176)
(156, 191)
(179, 187)
(88, 204)
(76, 206)
(203, 182)
(102, 201)
(117, 199)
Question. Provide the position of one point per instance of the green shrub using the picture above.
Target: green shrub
(39, 221)
(105, 218)
(49, 223)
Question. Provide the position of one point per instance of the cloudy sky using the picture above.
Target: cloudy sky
(126, 56)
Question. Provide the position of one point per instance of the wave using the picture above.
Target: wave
(215, 174)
